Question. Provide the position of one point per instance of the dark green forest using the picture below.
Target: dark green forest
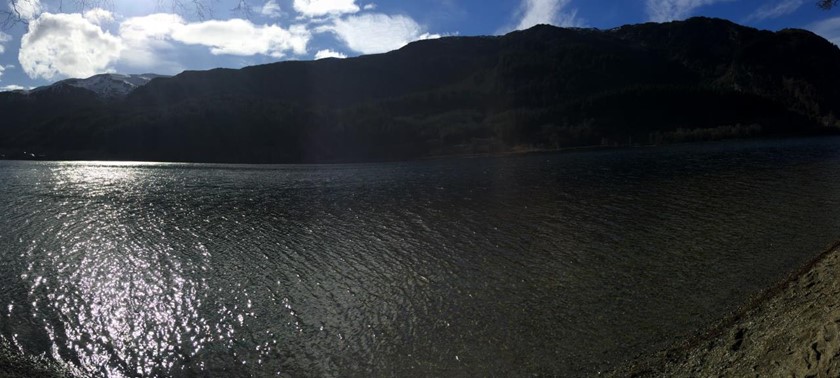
(545, 88)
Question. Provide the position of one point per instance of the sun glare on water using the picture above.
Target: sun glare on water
(111, 294)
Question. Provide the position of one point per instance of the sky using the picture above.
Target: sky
(58, 39)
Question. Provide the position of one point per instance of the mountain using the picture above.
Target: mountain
(106, 86)
(541, 88)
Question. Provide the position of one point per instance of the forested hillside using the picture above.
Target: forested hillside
(542, 88)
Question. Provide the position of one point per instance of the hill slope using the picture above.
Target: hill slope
(541, 88)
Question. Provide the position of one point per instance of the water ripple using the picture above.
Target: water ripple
(550, 264)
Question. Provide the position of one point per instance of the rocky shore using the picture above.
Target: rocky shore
(792, 329)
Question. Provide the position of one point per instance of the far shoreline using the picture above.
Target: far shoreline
(500, 154)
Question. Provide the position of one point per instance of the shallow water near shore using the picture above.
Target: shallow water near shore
(565, 264)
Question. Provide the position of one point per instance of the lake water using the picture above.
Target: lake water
(560, 264)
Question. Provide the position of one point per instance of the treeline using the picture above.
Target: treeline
(273, 131)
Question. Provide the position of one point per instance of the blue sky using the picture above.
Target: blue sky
(52, 42)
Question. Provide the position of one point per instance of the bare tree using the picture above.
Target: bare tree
(17, 11)
(202, 9)
(827, 4)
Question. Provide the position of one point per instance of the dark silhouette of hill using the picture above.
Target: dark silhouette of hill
(541, 88)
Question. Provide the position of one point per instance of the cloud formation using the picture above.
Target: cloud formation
(3, 39)
(67, 45)
(670, 10)
(11, 87)
(377, 33)
(553, 12)
(99, 16)
(147, 35)
(319, 8)
(775, 10)
(271, 9)
(97, 41)
(4, 68)
(241, 37)
(322, 54)
(75, 45)
(147, 40)
(828, 29)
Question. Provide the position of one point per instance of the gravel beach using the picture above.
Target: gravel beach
(792, 330)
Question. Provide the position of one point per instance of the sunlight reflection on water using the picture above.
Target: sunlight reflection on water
(118, 288)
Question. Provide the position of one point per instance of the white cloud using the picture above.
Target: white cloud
(779, 9)
(3, 39)
(669, 10)
(26, 9)
(271, 9)
(553, 12)
(828, 29)
(6, 67)
(156, 26)
(316, 8)
(377, 33)
(241, 37)
(99, 16)
(77, 45)
(67, 45)
(11, 87)
(321, 54)
(369, 6)
(146, 38)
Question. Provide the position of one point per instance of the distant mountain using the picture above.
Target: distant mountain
(106, 86)
(541, 88)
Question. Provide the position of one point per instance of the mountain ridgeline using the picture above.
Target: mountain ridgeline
(541, 88)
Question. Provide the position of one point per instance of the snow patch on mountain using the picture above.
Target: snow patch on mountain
(106, 86)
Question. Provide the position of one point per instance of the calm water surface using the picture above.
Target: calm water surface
(561, 264)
